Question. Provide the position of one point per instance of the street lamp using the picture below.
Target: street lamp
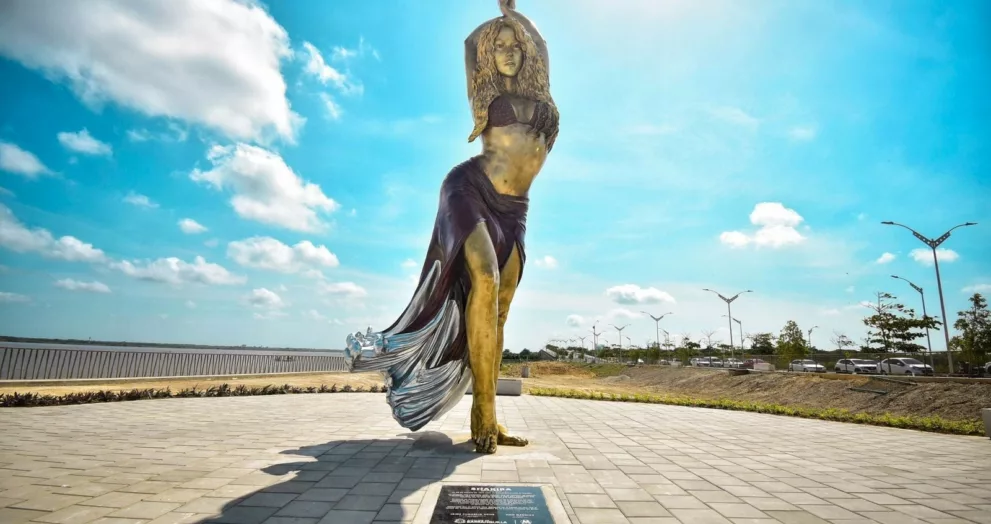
(740, 324)
(814, 359)
(924, 315)
(595, 337)
(729, 312)
(933, 244)
(667, 337)
(620, 329)
(657, 325)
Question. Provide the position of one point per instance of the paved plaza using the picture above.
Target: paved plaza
(340, 459)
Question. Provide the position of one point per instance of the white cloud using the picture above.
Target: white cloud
(977, 288)
(173, 133)
(213, 242)
(136, 199)
(546, 261)
(215, 63)
(342, 289)
(575, 320)
(18, 238)
(334, 110)
(313, 314)
(802, 133)
(6, 192)
(15, 160)
(270, 314)
(734, 115)
(851, 289)
(191, 227)
(831, 312)
(777, 228)
(634, 294)
(271, 254)
(924, 256)
(622, 313)
(317, 67)
(174, 271)
(13, 297)
(409, 263)
(83, 142)
(265, 189)
(76, 285)
(190, 304)
(264, 298)
(885, 258)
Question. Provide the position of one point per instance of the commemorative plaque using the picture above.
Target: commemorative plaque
(491, 505)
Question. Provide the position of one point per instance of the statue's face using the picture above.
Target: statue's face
(508, 53)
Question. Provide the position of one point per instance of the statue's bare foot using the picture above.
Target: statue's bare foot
(505, 439)
(486, 438)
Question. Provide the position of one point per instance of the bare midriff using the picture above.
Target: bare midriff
(513, 155)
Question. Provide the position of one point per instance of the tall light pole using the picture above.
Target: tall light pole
(814, 359)
(583, 341)
(729, 312)
(933, 244)
(620, 329)
(740, 324)
(657, 325)
(595, 337)
(924, 316)
(667, 337)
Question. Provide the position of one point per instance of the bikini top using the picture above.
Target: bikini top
(544, 119)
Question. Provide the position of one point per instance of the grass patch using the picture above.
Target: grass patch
(933, 424)
(16, 400)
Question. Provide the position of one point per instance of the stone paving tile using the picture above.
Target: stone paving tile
(341, 459)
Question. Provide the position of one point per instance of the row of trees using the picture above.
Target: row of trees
(892, 328)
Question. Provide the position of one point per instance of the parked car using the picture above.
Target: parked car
(750, 362)
(806, 366)
(905, 366)
(732, 363)
(855, 366)
(706, 362)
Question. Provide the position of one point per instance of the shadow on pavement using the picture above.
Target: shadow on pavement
(351, 481)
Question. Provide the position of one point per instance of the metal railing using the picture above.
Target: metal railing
(18, 362)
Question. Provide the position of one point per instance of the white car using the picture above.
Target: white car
(806, 366)
(732, 363)
(905, 366)
(855, 366)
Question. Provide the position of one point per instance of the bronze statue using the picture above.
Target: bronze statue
(450, 336)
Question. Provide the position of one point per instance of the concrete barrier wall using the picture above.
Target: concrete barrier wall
(34, 363)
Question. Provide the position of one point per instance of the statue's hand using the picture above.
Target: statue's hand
(507, 6)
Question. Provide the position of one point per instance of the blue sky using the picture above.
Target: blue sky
(230, 172)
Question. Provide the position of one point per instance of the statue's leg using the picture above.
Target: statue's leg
(481, 319)
(508, 279)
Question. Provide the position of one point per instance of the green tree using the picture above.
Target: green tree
(791, 342)
(762, 343)
(895, 327)
(974, 324)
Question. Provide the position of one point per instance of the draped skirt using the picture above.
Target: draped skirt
(424, 353)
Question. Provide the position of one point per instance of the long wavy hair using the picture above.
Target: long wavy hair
(532, 81)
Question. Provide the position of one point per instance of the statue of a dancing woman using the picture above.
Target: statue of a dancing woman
(451, 333)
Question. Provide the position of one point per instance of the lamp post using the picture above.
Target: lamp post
(933, 244)
(814, 359)
(924, 315)
(740, 325)
(657, 325)
(729, 312)
(620, 329)
(667, 337)
(595, 337)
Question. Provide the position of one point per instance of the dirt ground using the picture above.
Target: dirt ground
(948, 400)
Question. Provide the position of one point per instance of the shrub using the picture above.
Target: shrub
(932, 423)
(14, 400)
